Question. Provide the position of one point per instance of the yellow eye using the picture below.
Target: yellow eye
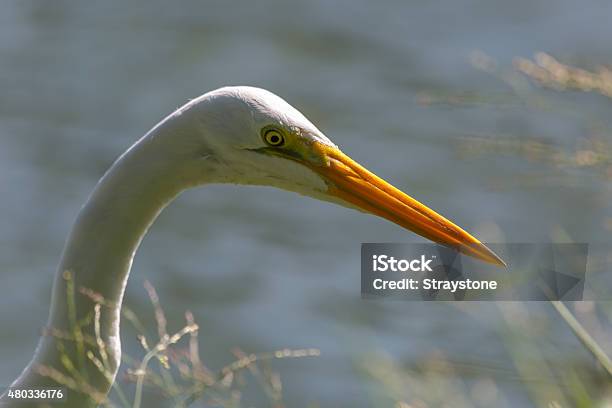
(273, 137)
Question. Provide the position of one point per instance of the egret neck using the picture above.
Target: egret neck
(99, 251)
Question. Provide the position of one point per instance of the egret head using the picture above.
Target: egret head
(251, 136)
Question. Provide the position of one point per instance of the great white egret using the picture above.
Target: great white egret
(240, 135)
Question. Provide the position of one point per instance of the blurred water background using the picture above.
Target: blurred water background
(423, 93)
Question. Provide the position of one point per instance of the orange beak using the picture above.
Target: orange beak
(353, 183)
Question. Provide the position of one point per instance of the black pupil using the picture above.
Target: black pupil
(274, 139)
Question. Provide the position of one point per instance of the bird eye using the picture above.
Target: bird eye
(273, 137)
